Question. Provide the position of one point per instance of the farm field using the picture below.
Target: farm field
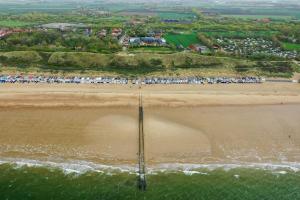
(182, 39)
(291, 46)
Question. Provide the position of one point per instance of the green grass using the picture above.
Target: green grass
(14, 23)
(291, 46)
(182, 39)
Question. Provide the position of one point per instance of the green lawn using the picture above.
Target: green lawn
(13, 23)
(291, 46)
(182, 39)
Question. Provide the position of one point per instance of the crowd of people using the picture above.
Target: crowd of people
(120, 80)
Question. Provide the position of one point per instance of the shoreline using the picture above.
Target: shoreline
(81, 167)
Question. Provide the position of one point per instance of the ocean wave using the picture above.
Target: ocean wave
(290, 166)
(79, 167)
(74, 166)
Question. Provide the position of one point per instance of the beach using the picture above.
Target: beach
(210, 124)
(238, 141)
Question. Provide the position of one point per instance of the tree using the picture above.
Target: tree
(188, 62)
(205, 40)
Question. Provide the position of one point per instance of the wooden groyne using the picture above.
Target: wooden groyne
(142, 174)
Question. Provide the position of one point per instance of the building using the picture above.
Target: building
(63, 26)
(147, 41)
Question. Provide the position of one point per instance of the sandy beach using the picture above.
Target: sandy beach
(183, 123)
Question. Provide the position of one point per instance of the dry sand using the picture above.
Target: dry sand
(183, 123)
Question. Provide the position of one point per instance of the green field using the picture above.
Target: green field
(14, 23)
(291, 46)
(182, 39)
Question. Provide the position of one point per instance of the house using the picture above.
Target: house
(102, 33)
(217, 47)
(199, 48)
(116, 32)
(155, 33)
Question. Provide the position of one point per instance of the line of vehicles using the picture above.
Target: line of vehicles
(197, 80)
(121, 80)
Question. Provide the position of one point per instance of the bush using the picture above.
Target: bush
(118, 61)
(79, 60)
(275, 67)
(156, 62)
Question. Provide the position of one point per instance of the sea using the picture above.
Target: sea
(29, 179)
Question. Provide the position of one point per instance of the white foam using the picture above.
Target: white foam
(190, 173)
(73, 166)
(79, 166)
(291, 166)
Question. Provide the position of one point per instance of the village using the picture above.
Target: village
(182, 42)
(155, 38)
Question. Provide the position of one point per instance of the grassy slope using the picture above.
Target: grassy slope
(93, 63)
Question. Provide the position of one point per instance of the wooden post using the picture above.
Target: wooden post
(142, 175)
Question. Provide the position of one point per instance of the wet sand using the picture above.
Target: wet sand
(223, 134)
(183, 124)
(106, 136)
